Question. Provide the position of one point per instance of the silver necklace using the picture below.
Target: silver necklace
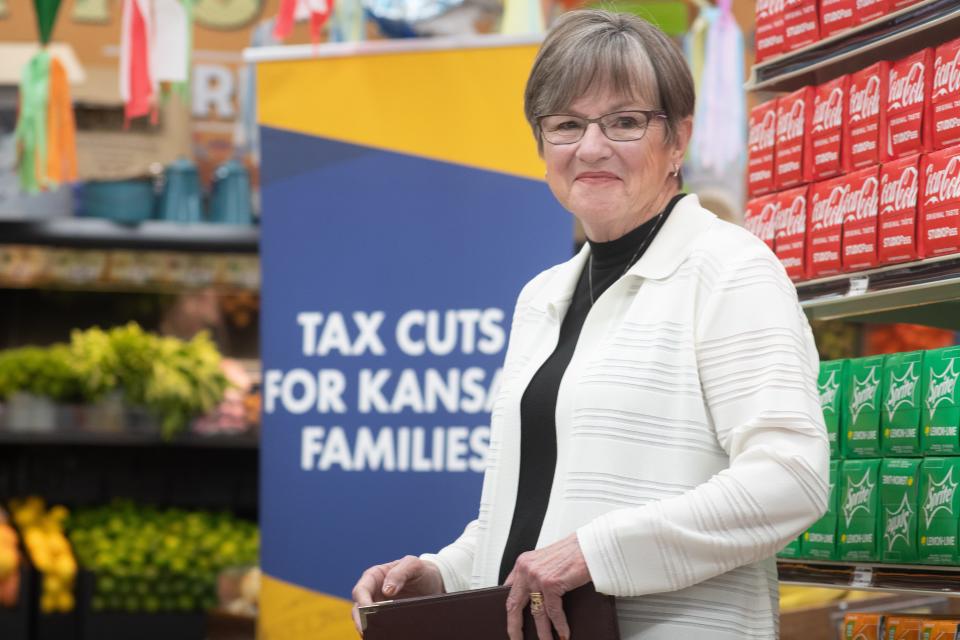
(641, 249)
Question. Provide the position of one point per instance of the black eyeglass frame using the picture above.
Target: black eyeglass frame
(649, 114)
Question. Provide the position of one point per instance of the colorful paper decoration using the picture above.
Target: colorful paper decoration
(318, 11)
(46, 17)
(138, 80)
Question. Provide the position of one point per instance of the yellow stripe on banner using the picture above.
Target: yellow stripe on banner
(288, 612)
(463, 106)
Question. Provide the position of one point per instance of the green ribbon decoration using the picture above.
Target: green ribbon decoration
(31, 131)
(46, 17)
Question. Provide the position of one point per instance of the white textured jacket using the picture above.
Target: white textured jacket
(690, 441)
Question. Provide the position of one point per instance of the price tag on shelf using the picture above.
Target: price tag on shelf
(862, 577)
(858, 285)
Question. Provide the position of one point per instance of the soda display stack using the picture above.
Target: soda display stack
(893, 422)
(862, 170)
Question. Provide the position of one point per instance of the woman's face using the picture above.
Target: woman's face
(611, 187)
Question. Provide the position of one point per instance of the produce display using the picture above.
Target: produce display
(174, 380)
(50, 552)
(9, 563)
(150, 560)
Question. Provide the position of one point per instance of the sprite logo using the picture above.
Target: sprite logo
(901, 391)
(858, 497)
(939, 497)
(864, 392)
(828, 392)
(898, 523)
(941, 387)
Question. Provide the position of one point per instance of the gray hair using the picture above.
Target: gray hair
(593, 49)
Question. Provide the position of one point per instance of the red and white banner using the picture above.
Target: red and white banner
(940, 203)
(794, 113)
(945, 98)
(826, 129)
(860, 208)
(897, 228)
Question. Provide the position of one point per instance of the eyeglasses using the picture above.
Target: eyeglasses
(619, 126)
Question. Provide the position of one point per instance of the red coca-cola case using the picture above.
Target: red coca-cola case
(793, 126)
(760, 218)
(791, 235)
(906, 123)
(770, 29)
(940, 203)
(801, 22)
(866, 100)
(826, 129)
(945, 96)
(869, 10)
(825, 226)
(761, 145)
(836, 16)
(897, 227)
(860, 219)
(896, 5)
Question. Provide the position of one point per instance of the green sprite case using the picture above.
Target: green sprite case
(819, 542)
(899, 508)
(862, 404)
(792, 550)
(858, 519)
(902, 404)
(941, 402)
(830, 384)
(939, 510)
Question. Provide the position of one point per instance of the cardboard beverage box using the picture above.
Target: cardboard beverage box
(770, 29)
(899, 508)
(826, 129)
(902, 404)
(792, 550)
(825, 227)
(830, 385)
(897, 228)
(940, 434)
(941, 630)
(939, 511)
(861, 419)
(866, 99)
(760, 218)
(939, 208)
(860, 220)
(902, 627)
(836, 16)
(859, 516)
(870, 10)
(862, 626)
(906, 125)
(761, 144)
(820, 540)
(945, 96)
(791, 231)
(801, 24)
(794, 112)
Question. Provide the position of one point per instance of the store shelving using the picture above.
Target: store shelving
(921, 579)
(923, 292)
(893, 36)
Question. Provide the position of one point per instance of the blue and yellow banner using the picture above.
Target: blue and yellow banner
(403, 209)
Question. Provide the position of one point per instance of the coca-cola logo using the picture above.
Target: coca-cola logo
(828, 114)
(865, 103)
(901, 194)
(862, 204)
(944, 185)
(762, 132)
(790, 123)
(947, 78)
(794, 217)
(907, 90)
(828, 212)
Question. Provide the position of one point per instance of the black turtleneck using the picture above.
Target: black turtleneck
(538, 406)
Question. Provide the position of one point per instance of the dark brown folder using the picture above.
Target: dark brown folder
(480, 614)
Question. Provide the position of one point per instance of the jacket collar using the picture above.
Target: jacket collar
(666, 253)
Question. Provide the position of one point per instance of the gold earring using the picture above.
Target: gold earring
(676, 170)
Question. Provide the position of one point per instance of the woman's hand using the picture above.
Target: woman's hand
(552, 571)
(407, 577)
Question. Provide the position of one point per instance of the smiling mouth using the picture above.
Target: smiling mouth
(596, 177)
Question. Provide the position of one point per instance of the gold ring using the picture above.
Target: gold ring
(536, 602)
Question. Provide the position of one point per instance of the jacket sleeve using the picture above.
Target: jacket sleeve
(758, 365)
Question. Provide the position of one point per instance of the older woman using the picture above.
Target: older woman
(657, 431)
